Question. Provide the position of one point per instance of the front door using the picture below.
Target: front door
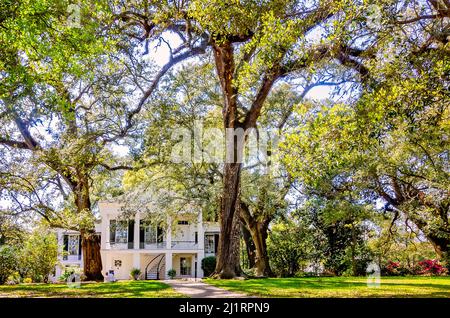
(185, 266)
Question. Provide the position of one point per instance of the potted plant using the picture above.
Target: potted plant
(135, 273)
(172, 273)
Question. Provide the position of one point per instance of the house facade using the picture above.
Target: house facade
(136, 243)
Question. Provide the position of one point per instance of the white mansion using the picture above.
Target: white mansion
(133, 244)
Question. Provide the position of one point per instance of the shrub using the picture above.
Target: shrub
(69, 271)
(391, 268)
(14, 278)
(27, 280)
(135, 273)
(432, 267)
(8, 262)
(208, 265)
(172, 273)
(39, 255)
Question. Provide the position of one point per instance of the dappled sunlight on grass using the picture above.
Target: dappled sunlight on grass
(339, 287)
(124, 289)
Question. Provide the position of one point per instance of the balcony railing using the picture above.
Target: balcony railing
(180, 245)
(72, 258)
(152, 246)
(186, 245)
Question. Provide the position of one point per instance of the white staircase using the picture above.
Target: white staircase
(156, 268)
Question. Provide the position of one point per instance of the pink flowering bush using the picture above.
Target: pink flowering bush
(391, 268)
(432, 267)
(425, 267)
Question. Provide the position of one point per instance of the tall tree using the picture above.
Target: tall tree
(65, 100)
(261, 44)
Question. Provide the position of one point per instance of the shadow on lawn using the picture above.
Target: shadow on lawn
(106, 290)
(341, 287)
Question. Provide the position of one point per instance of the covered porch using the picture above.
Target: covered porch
(187, 264)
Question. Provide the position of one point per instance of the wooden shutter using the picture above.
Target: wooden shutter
(65, 246)
(112, 231)
(130, 234)
(141, 233)
(79, 247)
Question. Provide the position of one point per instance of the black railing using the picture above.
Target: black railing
(158, 269)
(151, 262)
(158, 245)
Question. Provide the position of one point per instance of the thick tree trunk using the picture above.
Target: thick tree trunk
(354, 242)
(249, 245)
(259, 233)
(441, 245)
(228, 260)
(228, 264)
(90, 241)
(92, 260)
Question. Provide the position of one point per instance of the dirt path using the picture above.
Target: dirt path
(198, 289)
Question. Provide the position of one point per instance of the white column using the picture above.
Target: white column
(137, 222)
(169, 264)
(200, 256)
(169, 234)
(200, 232)
(108, 263)
(60, 238)
(105, 231)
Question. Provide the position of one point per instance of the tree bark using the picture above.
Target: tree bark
(259, 233)
(249, 245)
(92, 260)
(228, 259)
(441, 245)
(90, 241)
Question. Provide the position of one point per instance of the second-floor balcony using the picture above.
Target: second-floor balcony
(184, 233)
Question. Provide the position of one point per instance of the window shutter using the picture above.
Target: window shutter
(65, 246)
(141, 234)
(130, 233)
(112, 231)
(79, 247)
(196, 237)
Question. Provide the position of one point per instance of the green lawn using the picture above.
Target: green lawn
(126, 289)
(338, 287)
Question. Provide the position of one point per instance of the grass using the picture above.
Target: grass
(122, 289)
(338, 287)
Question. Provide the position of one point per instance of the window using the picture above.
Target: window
(209, 244)
(73, 245)
(122, 232)
(185, 266)
(183, 222)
